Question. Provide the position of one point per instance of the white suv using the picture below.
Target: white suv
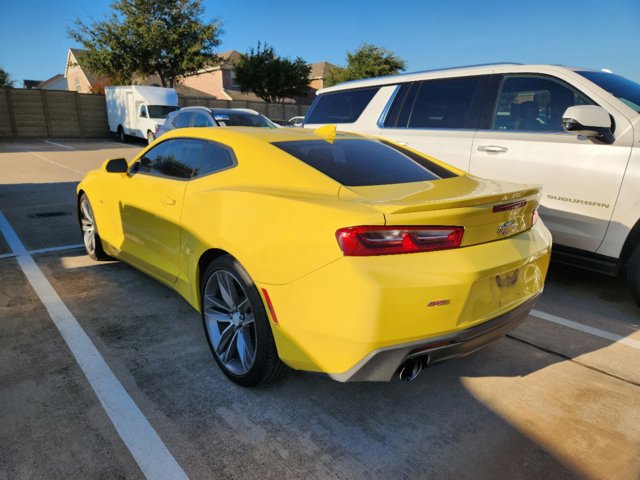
(575, 131)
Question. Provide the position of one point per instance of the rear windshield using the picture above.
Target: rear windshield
(627, 91)
(160, 111)
(361, 162)
(340, 107)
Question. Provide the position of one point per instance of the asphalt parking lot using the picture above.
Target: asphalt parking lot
(558, 398)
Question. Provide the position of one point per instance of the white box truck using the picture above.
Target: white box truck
(139, 110)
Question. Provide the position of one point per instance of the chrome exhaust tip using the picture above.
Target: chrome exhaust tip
(409, 370)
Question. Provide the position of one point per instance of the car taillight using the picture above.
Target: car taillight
(534, 217)
(376, 240)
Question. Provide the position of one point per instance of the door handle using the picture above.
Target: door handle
(492, 149)
(168, 201)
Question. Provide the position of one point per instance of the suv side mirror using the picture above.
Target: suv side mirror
(116, 165)
(589, 120)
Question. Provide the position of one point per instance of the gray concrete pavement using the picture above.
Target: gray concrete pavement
(549, 402)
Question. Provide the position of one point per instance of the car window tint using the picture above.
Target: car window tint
(355, 162)
(398, 114)
(534, 103)
(202, 120)
(214, 158)
(443, 103)
(182, 119)
(172, 158)
(340, 107)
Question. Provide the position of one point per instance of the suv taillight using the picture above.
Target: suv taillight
(376, 240)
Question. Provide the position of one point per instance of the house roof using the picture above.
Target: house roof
(31, 83)
(321, 69)
(90, 76)
(230, 57)
(50, 81)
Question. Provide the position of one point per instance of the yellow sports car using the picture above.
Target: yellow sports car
(323, 251)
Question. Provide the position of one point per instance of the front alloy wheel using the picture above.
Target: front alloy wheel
(150, 137)
(237, 326)
(90, 237)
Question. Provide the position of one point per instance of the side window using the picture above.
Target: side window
(340, 107)
(201, 120)
(213, 159)
(534, 103)
(143, 111)
(445, 104)
(172, 158)
(182, 120)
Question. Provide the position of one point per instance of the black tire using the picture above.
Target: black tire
(230, 332)
(121, 135)
(89, 230)
(150, 137)
(633, 275)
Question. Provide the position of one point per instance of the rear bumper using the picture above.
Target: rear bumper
(382, 364)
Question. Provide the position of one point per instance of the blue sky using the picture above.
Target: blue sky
(427, 34)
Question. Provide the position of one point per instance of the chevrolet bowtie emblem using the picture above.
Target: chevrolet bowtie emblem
(506, 228)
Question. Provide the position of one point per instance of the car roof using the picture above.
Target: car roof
(469, 70)
(214, 110)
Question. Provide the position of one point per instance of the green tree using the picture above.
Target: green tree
(271, 77)
(146, 37)
(366, 62)
(5, 79)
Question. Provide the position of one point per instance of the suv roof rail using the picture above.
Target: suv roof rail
(430, 71)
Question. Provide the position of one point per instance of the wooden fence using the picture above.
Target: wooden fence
(60, 114)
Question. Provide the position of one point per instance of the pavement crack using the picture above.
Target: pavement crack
(558, 354)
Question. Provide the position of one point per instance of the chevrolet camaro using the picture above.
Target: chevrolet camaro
(321, 251)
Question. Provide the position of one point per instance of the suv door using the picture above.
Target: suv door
(438, 117)
(521, 139)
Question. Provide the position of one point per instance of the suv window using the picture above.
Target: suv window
(534, 103)
(446, 104)
(182, 119)
(340, 107)
(202, 120)
(355, 162)
(172, 158)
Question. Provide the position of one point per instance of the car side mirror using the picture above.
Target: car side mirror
(590, 121)
(116, 165)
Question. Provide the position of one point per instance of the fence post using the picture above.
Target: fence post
(12, 117)
(45, 110)
(76, 96)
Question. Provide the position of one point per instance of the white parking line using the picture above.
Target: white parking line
(46, 250)
(59, 145)
(147, 448)
(49, 161)
(586, 329)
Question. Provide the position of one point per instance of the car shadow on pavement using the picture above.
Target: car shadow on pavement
(466, 418)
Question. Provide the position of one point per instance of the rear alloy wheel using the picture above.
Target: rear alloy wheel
(237, 326)
(150, 137)
(90, 237)
(633, 275)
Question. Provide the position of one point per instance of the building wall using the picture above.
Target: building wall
(209, 82)
(76, 81)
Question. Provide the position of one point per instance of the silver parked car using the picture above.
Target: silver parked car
(214, 117)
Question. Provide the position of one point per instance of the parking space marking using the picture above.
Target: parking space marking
(59, 145)
(586, 329)
(146, 446)
(49, 161)
(46, 250)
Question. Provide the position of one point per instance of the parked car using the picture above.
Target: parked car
(138, 110)
(575, 131)
(295, 122)
(215, 117)
(330, 253)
